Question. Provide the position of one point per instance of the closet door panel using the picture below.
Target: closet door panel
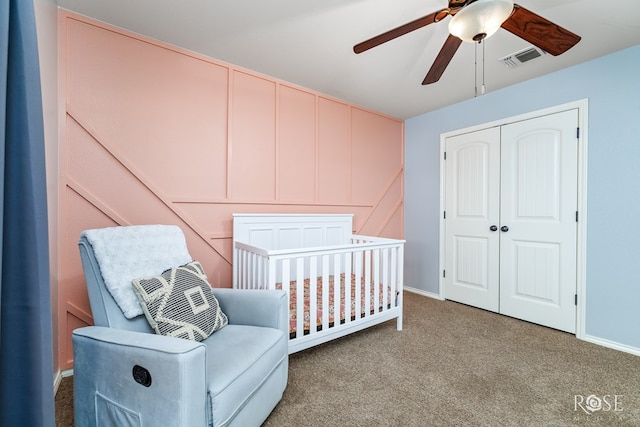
(472, 207)
(539, 201)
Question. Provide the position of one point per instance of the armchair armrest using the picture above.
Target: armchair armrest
(269, 308)
(105, 385)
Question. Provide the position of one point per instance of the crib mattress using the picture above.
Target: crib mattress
(293, 288)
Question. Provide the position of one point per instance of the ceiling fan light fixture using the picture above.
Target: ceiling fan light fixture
(480, 19)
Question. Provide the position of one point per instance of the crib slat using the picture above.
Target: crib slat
(368, 287)
(400, 267)
(385, 277)
(394, 277)
(400, 284)
(265, 272)
(271, 283)
(336, 290)
(255, 280)
(234, 268)
(237, 282)
(261, 277)
(358, 284)
(325, 292)
(313, 294)
(376, 279)
(247, 277)
(243, 269)
(299, 273)
(285, 280)
(347, 289)
(252, 269)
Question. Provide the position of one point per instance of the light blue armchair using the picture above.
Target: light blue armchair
(126, 375)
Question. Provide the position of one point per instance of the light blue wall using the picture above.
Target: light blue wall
(612, 86)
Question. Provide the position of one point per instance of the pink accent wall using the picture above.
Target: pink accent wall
(154, 134)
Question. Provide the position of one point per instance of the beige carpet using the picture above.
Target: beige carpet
(452, 365)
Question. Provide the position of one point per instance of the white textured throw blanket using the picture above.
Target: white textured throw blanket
(127, 253)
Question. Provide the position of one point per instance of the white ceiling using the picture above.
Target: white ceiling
(309, 43)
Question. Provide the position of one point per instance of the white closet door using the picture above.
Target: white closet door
(538, 205)
(472, 207)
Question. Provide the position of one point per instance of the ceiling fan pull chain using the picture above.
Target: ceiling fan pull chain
(482, 88)
(478, 70)
(475, 70)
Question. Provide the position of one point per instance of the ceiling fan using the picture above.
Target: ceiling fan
(475, 20)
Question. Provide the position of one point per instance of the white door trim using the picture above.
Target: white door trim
(581, 276)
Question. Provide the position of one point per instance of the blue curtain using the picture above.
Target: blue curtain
(26, 352)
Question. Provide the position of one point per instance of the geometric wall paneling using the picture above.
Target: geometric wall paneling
(387, 207)
(126, 196)
(373, 163)
(127, 88)
(394, 223)
(296, 146)
(334, 154)
(154, 134)
(253, 138)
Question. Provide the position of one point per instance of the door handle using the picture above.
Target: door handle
(504, 228)
(493, 228)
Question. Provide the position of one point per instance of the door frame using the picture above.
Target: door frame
(582, 106)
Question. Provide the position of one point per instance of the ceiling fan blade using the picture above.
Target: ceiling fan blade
(445, 55)
(395, 33)
(539, 31)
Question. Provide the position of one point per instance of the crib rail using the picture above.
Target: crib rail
(373, 263)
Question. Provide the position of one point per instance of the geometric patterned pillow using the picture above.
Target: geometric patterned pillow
(179, 303)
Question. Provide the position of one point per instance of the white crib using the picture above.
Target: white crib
(310, 253)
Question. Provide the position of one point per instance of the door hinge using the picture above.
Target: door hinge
(445, 155)
(444, 273)
(578, 133)
(576, 216)
(444, 215)
(576, 299)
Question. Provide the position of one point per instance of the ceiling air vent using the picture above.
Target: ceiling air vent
(520, 57)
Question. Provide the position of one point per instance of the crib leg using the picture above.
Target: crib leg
(399, 319)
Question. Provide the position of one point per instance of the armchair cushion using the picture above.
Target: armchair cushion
(179, 303)
(243, 358)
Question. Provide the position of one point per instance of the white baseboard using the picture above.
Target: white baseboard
(612, 344)
(421, 292)
(57, 379)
